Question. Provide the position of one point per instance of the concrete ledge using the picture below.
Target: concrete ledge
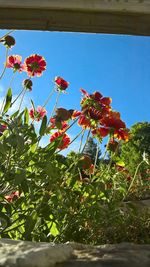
(29, 254)
(99, 16)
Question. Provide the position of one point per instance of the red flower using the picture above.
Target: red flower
(61, 83)
(37, 114)
(100, 132)
(113, 121)
(64, 141)
(106, 101)
(84, 121)
(76, 114)
(122, 134)
(2, 128)
(61, 125)
(84, 92)
(94, 113)
(95, 106)
(97, 96)
(15, 63)
(12, 196)
(35, 65)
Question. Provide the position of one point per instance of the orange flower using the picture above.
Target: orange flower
(106, 101)
(35, 65)
(64, 141)
(14, 62)
(76, 114)
(122, 134)
(113, 121)
(94, 107)
(100, 132)
(84, 121)
(61, 83)
(94, 113)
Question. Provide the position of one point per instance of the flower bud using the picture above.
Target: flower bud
(8, 41)
(27, 84)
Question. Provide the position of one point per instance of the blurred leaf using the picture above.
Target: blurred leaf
(43, 126)
(8, 101)
(54, 231)
(26, 116)
(32, 103)
(2, 149)
(15, 114)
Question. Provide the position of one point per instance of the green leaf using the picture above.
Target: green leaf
(15, 114)
(33, 147)
(43, 126)
(8, 101)
(54, 231)
(32, 103)
(26, 116)
(2, 149)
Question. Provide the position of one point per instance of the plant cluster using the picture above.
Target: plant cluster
(45, 196)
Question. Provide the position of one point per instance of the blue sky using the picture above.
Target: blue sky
(115, 65)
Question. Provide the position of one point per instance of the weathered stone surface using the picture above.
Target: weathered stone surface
(28, 254)
(120, 255)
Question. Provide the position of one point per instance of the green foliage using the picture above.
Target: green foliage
(132, 151)
(56, 203)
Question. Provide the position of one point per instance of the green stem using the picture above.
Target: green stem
(3, 71)
(134, 177)
(47, 100)
(76, 136)
(57, 99)
(96, 157)
(81, 141)
(71, 125)
(89, 132)
(17, 97)
(72, 140)
(22, 99)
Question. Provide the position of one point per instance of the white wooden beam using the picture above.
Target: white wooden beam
(101, 16)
